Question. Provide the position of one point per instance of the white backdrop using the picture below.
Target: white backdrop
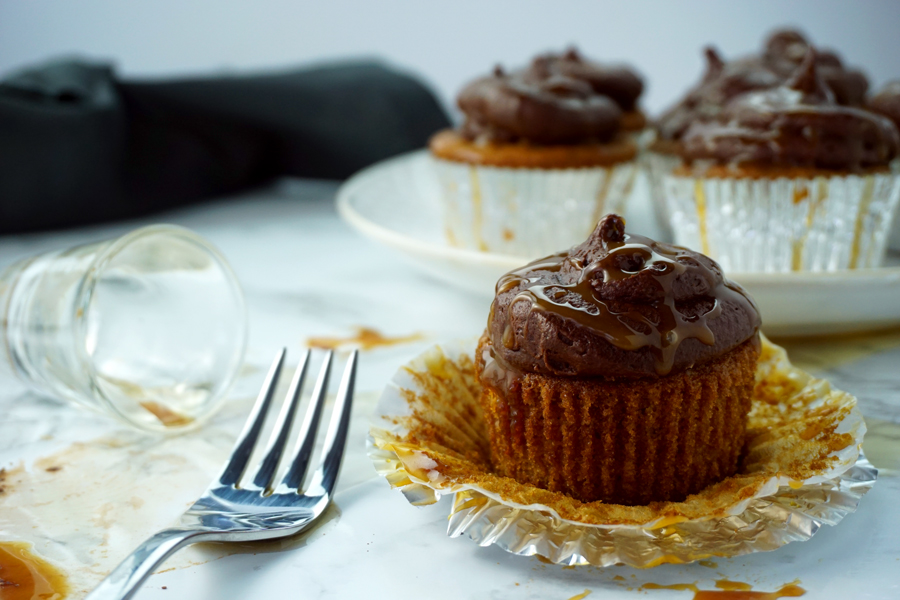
(445, 42)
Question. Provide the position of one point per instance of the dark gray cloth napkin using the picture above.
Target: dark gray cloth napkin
(78, 145)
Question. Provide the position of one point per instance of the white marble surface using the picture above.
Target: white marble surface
(306, 274)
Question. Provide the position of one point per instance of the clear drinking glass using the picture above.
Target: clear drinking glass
(150, 327)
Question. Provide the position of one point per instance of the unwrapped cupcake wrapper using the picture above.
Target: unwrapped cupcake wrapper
(785, 224)
(527, 212)
(803, 468)
(657, 166)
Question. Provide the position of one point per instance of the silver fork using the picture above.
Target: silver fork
(230, 512)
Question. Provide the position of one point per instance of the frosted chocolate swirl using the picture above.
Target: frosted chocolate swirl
(558, 99)
(785, 50)
(797, 124)
(618, 306)
(619, 83)
(723, 81)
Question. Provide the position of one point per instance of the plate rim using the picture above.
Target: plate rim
(399, 239)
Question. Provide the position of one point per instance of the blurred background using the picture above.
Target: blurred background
(163, 103)
(446, 43)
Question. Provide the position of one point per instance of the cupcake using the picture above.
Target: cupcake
(541, 155)
(722, 82)
(787, 179)
(887, 103)
(621, 370)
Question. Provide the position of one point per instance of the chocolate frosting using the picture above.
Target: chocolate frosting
(723, 81)
(785, 50)
(797, 124)
(558, 99)
(618, 306)
(887, 102)
(619, 83)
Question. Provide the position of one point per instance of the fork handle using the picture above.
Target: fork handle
(124, 581)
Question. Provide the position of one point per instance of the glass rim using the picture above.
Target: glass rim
(85, 292)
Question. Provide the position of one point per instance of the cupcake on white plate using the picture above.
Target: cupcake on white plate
(786, 179)
(544, 152)
(723, 81)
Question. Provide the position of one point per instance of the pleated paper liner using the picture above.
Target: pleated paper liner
(785, 224)
(803, 468)
(527, 212)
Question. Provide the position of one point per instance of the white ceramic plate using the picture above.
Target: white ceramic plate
(396, 203)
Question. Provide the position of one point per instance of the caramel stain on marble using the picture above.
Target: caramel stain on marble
(99, 492)
(166, 416)
(733, 586)
(8, 478)
(103, 516)
(790, 590)
(26, 576)
(581, 596)
(366, 338)
(708, 564)
(730, 590)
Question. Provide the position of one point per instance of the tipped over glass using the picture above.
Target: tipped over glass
(150, 327)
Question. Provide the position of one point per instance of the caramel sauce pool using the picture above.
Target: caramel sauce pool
(366, 338)
(788, 591)
(24, 576)
(731, 590)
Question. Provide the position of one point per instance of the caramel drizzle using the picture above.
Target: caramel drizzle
(663, 337)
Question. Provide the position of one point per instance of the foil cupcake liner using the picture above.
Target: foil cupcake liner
(657, 166)
(803, 469)
(527, 212)
(782, 225)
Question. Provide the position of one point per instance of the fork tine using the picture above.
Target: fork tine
(293, 479)
(237, 463)
(282, 429)
(325, 477)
